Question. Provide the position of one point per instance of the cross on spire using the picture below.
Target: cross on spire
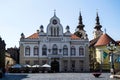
(54, 12)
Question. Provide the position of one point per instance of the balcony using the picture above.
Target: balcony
(55, 55)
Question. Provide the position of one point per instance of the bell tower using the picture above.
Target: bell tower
(80, 32)
(97, 32)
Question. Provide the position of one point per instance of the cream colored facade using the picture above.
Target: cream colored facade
(64, 51)
(8, 61)
(105, 62)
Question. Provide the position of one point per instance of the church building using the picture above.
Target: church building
(64, 51)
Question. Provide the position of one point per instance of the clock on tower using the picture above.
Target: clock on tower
(54, 22)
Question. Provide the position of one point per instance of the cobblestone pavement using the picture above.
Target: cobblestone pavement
(55, 76)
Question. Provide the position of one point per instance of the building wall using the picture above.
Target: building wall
(105, 61)
(55, 36)
(78, 66)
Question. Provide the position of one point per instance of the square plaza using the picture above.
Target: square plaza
(56, 76)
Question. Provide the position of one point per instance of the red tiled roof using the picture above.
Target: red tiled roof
(33, 36)
(73, 36)
(104, 40)
(93, 41)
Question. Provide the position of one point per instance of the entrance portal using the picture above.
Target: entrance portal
(55, 66)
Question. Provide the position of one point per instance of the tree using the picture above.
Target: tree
(2, 55)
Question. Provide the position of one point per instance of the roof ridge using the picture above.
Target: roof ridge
(104, 40)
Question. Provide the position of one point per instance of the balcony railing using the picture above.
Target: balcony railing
(55, 55)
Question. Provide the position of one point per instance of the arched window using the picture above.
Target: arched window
(57, 31)
(73, 52)
(44, 50)
(54, 31)
(65, 50)
(27, 51)
(51, 31)
(54, 49)
(36, 50)
(81, 51)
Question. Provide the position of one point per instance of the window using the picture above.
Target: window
(73, 51)
(73, 65)
(36, 51)
(54, 31)
(51, 31)
(55, 49)
(27, 51)
(57, 31)
(65, 62)
(36, 62)
(81, 63)
(81, 51)
(27, 62)
(44, 62)
(65, 51)
(44, 50)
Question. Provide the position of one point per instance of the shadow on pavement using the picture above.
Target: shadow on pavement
(14, 77)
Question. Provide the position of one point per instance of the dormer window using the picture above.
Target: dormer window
(54, 21)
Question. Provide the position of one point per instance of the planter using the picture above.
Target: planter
(96, 74)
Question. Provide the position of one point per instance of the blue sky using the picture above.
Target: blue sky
(25, 16)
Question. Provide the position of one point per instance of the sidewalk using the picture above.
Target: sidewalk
(115, 76)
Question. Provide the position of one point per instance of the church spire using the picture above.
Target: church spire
(54, 12)
(98, 32)
(80, 24)
(97, 19)
(97, 26)
(80, 18)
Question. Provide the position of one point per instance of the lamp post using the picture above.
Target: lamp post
(111, 47)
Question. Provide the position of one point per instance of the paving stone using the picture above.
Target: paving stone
(55, 76)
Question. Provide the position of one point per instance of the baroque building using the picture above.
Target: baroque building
(14, 53)
(64, 51)
(99, 54)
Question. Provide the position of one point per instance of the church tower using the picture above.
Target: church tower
(54, 28)
(80, 32)
(97, 32)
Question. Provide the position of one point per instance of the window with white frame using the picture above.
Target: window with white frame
(54, 49)
(81, 51)
(36, 50)
(44, 50)
(65, 50)
(73, 52)
(51, 31)
(54, 31)
(27, 51)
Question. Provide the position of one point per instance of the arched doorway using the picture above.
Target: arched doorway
(55, 66)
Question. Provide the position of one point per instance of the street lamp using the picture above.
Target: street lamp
(111, 47)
